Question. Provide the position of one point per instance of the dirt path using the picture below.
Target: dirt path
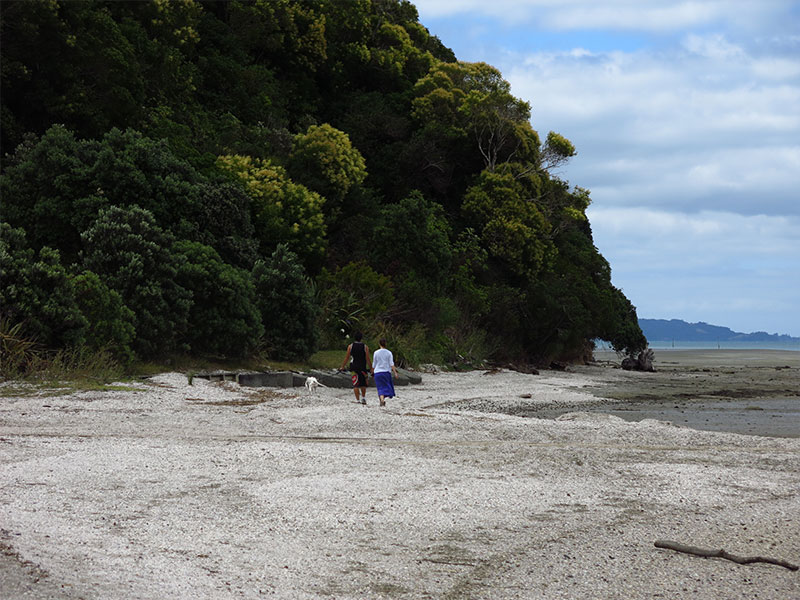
(215, 491)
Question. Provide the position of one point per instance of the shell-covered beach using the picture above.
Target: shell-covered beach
(163, 489)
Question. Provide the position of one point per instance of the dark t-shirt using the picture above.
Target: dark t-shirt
(358, 357)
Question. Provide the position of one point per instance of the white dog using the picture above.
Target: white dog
(312, 384)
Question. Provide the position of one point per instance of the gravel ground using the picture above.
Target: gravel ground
(212, 491)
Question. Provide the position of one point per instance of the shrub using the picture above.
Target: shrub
(110, 322)
(352, 298)
(224, 318)
(38, 292)
(285, 298)
(128, 250)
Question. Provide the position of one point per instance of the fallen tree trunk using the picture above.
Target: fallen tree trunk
(742, 560)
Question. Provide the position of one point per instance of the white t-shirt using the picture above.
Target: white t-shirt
(382, 360)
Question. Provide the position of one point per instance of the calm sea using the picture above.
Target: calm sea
(657, 345)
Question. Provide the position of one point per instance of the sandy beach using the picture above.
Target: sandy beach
(458, 489)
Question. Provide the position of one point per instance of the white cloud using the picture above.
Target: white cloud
(718, 267)
(670, 128)
(634, 15)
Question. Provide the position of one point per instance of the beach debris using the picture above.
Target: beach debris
(742, 560)
(643, 362)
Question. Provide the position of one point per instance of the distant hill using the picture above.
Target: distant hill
(661, 330)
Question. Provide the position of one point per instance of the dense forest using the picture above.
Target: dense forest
(242, 178)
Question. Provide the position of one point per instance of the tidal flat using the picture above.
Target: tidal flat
(754, 392)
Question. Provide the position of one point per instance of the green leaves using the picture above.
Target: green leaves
(224, 317)
(133, 255)
(509, 222)
(324, 160)
(283, 211)
(37, 292)
(285, 299)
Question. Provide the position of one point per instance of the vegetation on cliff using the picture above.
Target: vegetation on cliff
(233, 178)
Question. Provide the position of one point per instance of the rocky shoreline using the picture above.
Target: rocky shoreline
(213, 490)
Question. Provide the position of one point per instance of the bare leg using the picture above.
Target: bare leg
(363, 395)
(355, 391)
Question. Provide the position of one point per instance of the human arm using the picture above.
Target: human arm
(346, 358)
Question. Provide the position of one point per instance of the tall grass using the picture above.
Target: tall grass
(23, 358)
(16, 351)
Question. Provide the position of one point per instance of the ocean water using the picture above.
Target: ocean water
(676, 345)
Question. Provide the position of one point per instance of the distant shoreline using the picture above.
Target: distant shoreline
(681, 345)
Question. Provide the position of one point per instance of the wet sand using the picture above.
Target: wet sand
(755, 392)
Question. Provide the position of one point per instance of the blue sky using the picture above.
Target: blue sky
(686, 118)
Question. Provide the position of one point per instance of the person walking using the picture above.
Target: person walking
(382, 370)
(360, 365)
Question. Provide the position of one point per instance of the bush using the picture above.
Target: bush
(128, 250)
(38, 293)
(16, 351)
(224, 318)
(352, 299)
(111, 326)
(285, 298)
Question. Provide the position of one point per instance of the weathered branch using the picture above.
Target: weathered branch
(742, 560)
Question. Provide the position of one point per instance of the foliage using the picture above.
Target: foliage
(38, 292)
(352, 298)
(133, 255)
(55, 186)
(223, 315)
(511, 226)
(111, 323)
(411, 244)
(324, 160)
(285, 299)
(283, 212)
(16, 351)
(80, 365)
(224, 222)
(169, 160)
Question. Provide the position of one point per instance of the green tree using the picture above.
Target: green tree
(225, 223)
(133, 255)
(111, 323)
(324, 160)
(353, 297)
(283, 212)
(510, 224)
(285, 299)
(67, 62)
(38, 292)
(224, 317)
(55, 186)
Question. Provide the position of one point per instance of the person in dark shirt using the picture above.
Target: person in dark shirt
(360, 366)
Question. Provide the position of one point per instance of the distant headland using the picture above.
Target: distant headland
(662, 330)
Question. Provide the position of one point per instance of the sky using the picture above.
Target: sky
(686, 120)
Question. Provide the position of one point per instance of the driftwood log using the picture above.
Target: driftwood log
(742, 560)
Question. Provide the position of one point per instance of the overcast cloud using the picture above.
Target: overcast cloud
(686, 117)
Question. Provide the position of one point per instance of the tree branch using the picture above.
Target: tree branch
(742, 560)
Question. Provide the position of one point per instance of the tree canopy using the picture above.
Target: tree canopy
(242, 177)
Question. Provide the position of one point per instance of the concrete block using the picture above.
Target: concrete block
(412, 376)
(281, 379)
